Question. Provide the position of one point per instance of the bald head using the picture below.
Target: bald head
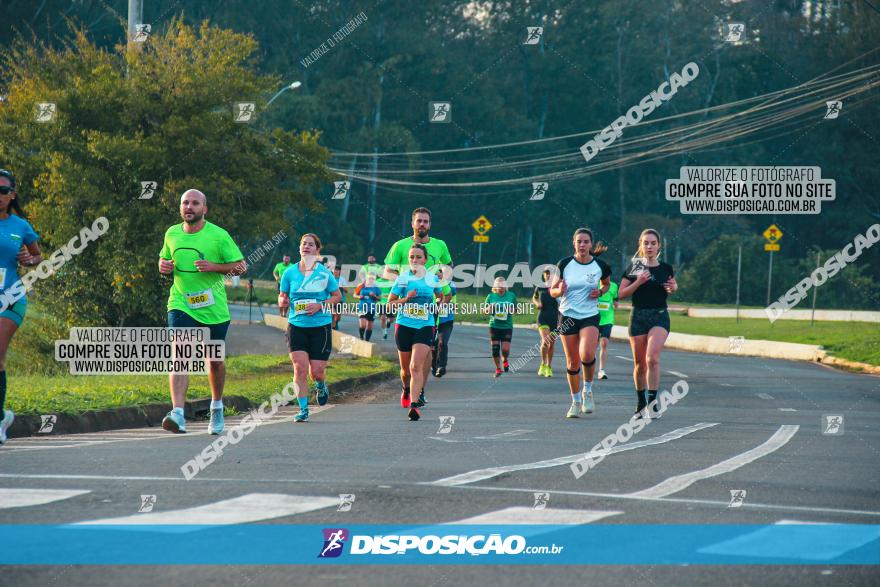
(193, 206)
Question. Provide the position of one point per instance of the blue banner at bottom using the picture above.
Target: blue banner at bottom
(596, 544)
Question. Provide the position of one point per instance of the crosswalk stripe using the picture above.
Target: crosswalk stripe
(17, 497)
(549, 516)
(679, 482)
(252, 507)
(483, 474)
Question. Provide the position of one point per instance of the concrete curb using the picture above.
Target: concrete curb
(343, 343)
(717, 345)
(150, 415)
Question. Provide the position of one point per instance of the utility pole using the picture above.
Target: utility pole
(135, 17)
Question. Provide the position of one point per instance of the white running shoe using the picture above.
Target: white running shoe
(587, 406)
(573, 410)
(602, 374)
(5, 423)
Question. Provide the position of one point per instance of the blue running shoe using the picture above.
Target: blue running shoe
(322, 394)
(216, 425)
(174, 422)
(5, 423)
(303, 416)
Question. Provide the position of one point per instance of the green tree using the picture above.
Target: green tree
(161, 112)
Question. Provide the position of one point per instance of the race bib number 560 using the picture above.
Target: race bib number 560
(200, 299)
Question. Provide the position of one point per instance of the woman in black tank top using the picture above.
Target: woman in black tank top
(649, 281)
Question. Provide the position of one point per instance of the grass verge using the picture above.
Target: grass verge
(255, 377)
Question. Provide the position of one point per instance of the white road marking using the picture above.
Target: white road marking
(32, 443)
(549, 516)
(624, 358)
(777, 542)
(787, 410)
(17, 497)
(503, 434)
(708, 502)
(765, 396)
(680, 482)
(252, 507)
(482, 474)
(678, 374)
(725, 385)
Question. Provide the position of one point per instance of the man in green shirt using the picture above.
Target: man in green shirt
(397, 259)
(277, 272)
(198, 254)
(606, 304)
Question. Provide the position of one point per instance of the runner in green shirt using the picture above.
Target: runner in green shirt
(606, 304)
(397, 260)
(500, 304)
(199, 254)
(277, 272)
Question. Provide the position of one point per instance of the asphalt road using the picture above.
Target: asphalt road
(746, 424)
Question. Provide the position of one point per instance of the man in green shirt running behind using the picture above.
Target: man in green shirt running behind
(606, 303)
(199, 254)
(277, 272)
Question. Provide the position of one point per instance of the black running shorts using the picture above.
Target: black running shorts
(642, 320)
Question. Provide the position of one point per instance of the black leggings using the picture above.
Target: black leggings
(444, 333)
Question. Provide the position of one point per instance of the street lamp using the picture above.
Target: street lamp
(292, 86)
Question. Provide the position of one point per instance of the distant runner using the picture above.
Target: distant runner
(500, 304)
(548, 320)
(607, 304)
(277, 272)
(199, 254)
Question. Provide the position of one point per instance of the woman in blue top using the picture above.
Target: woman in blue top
(367, 297)
(18, 244)
(414, 331)
(311, 289)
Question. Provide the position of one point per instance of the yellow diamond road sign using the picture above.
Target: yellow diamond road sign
(773, 234)
(482, 225)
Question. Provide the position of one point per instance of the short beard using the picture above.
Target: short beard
(422, 232)
(196, 219)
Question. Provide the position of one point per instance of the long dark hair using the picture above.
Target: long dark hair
(13, 206)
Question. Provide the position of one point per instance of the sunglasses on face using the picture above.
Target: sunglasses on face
(6, 190)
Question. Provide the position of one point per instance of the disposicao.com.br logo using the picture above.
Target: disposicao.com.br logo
(397, 544)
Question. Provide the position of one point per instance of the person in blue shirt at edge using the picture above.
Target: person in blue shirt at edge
(312, 290)
(367, 296)
(414, 330)
(18, 244)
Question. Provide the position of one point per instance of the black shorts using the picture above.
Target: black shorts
(569, 325)
(367, 316)
(605, 330)
(642, 320)
(406, 337)
(501, 334)
(550, 320)
(317, 341)
(180, 319)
